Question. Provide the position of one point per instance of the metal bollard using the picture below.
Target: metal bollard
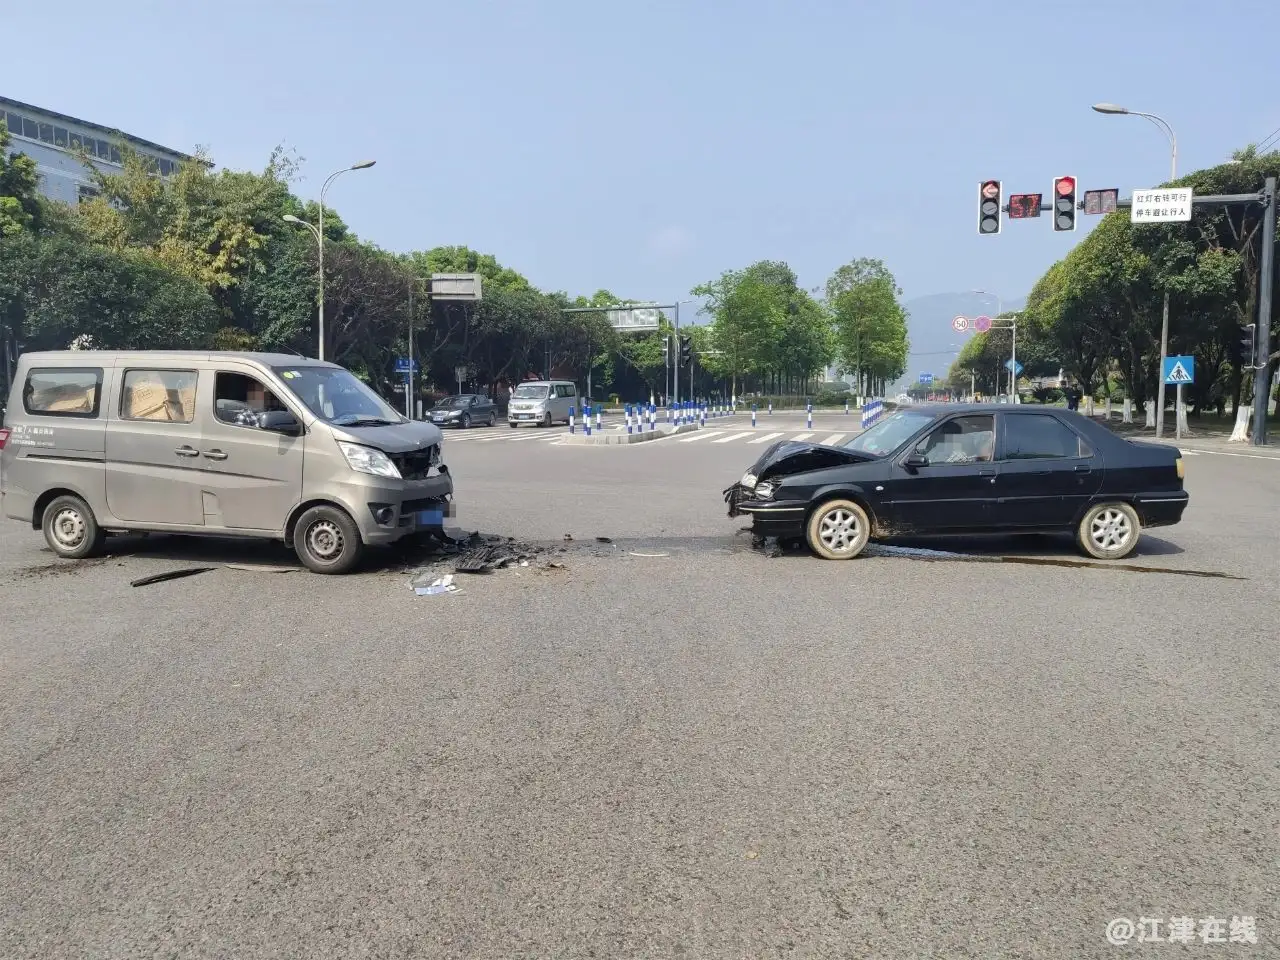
(846, 408)
(597, 418)
(753, 415)
(572, 411)
(771, 408)
(586, 418)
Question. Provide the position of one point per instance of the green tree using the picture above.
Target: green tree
(870, 323)
(19, 180)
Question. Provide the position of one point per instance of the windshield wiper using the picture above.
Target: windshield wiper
(355, 420)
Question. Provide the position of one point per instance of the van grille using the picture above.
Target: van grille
(415, 465)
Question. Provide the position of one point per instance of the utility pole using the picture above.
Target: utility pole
(1262, 375)
(675, 363)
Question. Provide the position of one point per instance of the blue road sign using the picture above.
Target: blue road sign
(1179, 370)
(403, 365)
(1008, 365)
(926, 378)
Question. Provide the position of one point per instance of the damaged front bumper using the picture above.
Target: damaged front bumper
(772, 518)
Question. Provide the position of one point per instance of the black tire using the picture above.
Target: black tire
(838, 530)
(493, 419)
(512, 425)
(466, 421)
(546, 421)
(327, 541)
(1109, 531)
(71, 530)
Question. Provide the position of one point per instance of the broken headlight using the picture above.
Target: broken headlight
(368, 460)
(764, 491)
(748, 480)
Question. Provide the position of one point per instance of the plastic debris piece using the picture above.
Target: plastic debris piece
(170, 575)
(603, 540)
(261, 568)
(436, 587)
(568, 537)
(636, 554)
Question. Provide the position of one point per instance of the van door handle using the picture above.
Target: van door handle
(215, 455)
(185, 451)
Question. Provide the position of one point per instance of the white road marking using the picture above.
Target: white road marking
(701, 436)
(832, 439)
(766, 438)
(731, 437)
(802, 436)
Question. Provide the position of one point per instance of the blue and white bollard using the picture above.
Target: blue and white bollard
(597, 418)
(753, 415)
(628, 413)
(808, 414)
(572, 411)
(586, 419)
(846, 408)
(653, 418)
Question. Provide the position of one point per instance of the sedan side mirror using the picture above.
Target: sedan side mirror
(915, 461)
(280, 421)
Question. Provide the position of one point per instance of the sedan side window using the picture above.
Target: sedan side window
(1039, 436)
(960, 440)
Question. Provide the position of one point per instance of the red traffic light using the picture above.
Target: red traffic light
(991, 189)
(1066, 186)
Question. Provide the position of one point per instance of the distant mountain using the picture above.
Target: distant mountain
(934, 342)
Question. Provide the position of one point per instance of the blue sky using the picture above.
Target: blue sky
(646, 147)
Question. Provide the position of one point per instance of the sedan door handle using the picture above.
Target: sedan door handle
(1082, 468)
(986, 473)
(215, 455)
(185, 451)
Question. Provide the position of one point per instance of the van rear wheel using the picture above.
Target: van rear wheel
(71, 529)
(327, 541)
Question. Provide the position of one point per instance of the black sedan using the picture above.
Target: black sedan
(956, 470)
(464, 410)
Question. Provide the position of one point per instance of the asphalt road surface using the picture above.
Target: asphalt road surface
(669, 746)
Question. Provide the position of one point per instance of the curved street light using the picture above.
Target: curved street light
(1111, 108)
(318, 232)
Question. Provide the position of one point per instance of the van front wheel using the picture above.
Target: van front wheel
(326, 541)
(71, 530)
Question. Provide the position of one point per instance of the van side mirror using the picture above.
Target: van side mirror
(280, 421)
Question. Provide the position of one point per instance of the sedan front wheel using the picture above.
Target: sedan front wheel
(838, 530)
(1109, 531)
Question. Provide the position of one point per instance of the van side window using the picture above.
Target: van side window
(63, 392)
(167, 395)
(241, 400)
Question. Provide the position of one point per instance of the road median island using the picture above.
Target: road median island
(619, 435)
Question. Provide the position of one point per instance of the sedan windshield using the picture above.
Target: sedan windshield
(889, 434)
(338, 397)
(531, 391)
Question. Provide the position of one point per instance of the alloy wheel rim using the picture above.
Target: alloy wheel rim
(840, 530)
(1110, 530)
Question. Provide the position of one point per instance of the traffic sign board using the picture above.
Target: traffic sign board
(405, 365)
(1009, 365)
(960, 324)
(982, 324)
(1169, 205)
(1179, 370)
(926, 378)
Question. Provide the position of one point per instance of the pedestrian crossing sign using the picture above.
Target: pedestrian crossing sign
(1179, 370)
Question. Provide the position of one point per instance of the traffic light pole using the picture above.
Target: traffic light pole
(1262, 380)
(675, 359)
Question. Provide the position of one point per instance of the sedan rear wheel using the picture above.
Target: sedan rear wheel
(1109, 531)
(838, 530)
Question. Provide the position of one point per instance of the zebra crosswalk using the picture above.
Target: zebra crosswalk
(707, 437)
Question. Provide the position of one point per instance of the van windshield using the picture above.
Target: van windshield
(338, 397)
(531, 391)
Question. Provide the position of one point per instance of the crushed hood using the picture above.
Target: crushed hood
(395, 438)
(789, 457)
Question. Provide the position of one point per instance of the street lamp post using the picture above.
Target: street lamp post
(1113, 110)
(318, 232)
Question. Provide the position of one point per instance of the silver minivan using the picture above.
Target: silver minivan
(543, 402)
(267, 446)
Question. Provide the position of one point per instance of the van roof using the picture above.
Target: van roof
(114, 356)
